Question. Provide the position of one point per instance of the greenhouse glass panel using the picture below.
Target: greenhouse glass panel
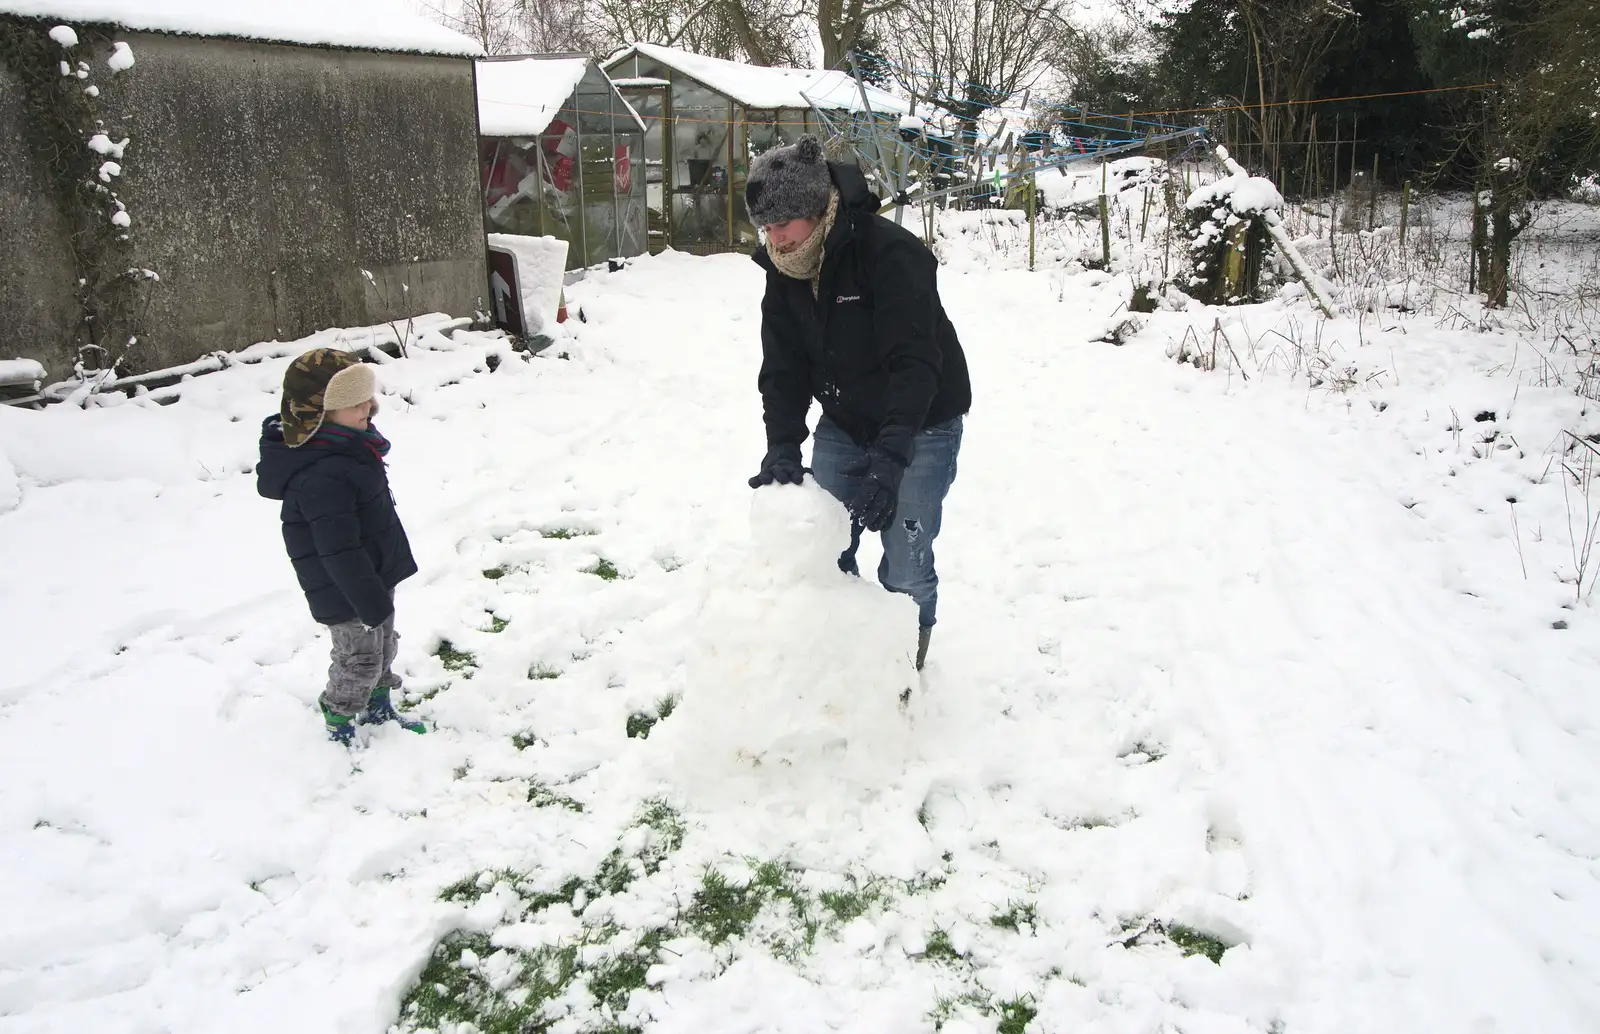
(701, 120)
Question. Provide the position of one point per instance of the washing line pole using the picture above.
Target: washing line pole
(872, 125)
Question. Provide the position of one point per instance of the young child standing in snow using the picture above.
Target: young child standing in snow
(323, 458)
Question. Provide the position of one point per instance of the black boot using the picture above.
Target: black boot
(923, 635)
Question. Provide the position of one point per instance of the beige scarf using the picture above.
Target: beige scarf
(805, 262)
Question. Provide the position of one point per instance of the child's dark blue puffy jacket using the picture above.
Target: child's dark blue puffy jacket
(339, 524)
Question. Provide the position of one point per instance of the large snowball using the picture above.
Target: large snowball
(797, 667)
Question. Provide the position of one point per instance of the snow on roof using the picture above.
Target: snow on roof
(358, 24)
(758, 87)
(519, 98)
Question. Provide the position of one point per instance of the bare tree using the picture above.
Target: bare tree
(496, 24)
(1286, 42)
(762, 32)
(840, 23)
(967, 56)
(555, 26)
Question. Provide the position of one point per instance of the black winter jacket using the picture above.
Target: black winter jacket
(339, 524)
(874, 346)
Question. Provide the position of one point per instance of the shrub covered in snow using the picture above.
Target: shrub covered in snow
(1229, 237)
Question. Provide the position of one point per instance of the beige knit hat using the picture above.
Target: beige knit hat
(318, 382)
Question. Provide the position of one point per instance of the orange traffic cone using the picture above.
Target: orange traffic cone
(561, 310)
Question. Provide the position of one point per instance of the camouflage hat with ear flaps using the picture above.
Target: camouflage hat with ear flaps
(317, 381)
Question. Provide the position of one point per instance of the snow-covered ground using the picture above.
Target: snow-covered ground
(1244, 670)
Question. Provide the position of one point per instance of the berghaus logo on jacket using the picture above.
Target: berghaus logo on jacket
(846, 298)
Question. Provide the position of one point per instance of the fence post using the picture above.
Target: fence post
(1033, 210)
(1372, 206)
(1105, 216)
(1405, 210)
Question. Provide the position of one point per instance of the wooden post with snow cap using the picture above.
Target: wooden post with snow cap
(1030, 181)
(1105, 216)
(1280, 237)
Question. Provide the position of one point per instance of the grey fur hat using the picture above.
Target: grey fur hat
(788, 183)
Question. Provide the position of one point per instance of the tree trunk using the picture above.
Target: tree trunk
(752, 44)
(838, 36)
(1480, 241)
(1502, 230)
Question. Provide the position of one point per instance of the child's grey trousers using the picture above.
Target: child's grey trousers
(363, 661)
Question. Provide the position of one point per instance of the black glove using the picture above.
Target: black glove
(879, 496)
(781, 464)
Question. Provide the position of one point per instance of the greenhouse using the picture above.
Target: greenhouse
(706, 118)
(559, 151)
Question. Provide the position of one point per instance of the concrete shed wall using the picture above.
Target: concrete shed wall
(262, 179)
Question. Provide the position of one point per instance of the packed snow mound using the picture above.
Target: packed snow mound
(796, 666)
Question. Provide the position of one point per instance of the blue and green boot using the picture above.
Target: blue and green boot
(380, 709)
(341, 727)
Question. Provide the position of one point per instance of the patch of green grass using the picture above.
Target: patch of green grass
(616, 873)
(1088, 822)
(603, 569)
(497, 624)
(411, 697)
(946, 1006)
(458, 661)
(541, 796)
(566, 533)
(525, 739)
(665, 820)
(538, 901)
(720, 910)
(849, 905)
(1015, 1014)
(939, 948)
(444, 990)
(470, 888)
(543, 671)
(450, 992)
(1186, 938)
(494, 574)
(615, 979)
(1016, 916)
(929, 881)
(1193, 942)
(504, 991)
(641, 722)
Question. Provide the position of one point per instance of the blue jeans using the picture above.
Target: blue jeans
(907, 564)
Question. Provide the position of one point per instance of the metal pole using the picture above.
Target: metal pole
(616, 208)
(900, 188)
(872, 126)
(583, 221)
